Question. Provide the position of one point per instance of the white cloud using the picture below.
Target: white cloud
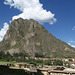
(72, 41)
(31, 9)
(73, 28)
(73, 46)
(3, 31)
(10, 21)
(69, 43)
(1, 38)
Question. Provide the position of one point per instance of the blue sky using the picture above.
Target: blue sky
(62, 24)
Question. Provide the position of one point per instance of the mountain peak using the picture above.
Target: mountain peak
(28, 36)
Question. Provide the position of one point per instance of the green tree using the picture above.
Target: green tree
(47, 62)
(58, 63)
(70, 59)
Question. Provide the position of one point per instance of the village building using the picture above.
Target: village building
(10, 64)
(46, 71)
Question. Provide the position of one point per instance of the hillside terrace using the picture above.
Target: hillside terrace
(42, 70)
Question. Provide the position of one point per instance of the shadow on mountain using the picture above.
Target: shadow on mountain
(5, 70)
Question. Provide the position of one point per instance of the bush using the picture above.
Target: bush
(47, 62)
(58, 63)
(39, 55)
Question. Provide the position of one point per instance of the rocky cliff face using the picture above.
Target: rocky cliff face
(28, 36)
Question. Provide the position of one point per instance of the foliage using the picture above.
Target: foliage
(18, 57)
(66, 64)
(47, 62)
(70, 59)
(35, 62)
(39, 55)
(58, 63)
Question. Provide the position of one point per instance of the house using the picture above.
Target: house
(21, 65)
(43, 71)
(10, 64)
(57, 71)
(72, 64)
(54, 72)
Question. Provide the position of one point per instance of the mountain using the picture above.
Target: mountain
(28, 36)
